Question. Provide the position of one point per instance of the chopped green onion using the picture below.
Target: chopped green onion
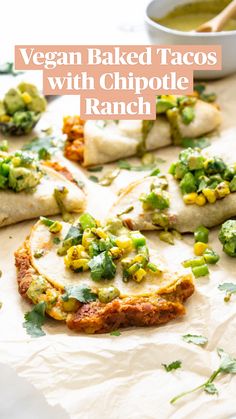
(191, 263)
(199, 271)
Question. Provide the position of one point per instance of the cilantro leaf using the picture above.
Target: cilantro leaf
(75, 235)
(44, 147)
(125, 165)
(195, 142)
(115, 333)
(82, 293)
(210, 388)
(173, 366)
(34, 320)
(94, 179)
(228, 364)
(95, 169)
(229, 287)
(102, 267)
(8, 68)
(196, 339)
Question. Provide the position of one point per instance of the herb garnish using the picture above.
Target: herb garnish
(227, 366)
(229, 289)
(95, 169)
(94, 179)
(44, 147)
(115, 333)
(102, 267)
(202, 142)
(82, 293)
(196, 339)
(172, 366)
(34, 320)
(125, 165)
(126, 211)
(206, 97)
(8, 68)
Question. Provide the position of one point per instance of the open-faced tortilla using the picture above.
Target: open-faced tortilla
(43, 276)
(107, 141)
(179, 215)
(19, 206)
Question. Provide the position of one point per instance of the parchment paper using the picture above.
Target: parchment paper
(106, 376)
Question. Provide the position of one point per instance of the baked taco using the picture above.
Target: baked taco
(29, 188)
(199, 190)
(98, 142)
(97, 278)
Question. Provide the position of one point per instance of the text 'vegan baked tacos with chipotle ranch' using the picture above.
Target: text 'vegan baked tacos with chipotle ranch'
(200, 190)
(98, 278)
(96, 142)
(29, 188)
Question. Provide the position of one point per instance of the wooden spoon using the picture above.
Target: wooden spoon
(218, 22)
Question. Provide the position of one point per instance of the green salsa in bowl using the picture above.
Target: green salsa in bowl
(172, 22)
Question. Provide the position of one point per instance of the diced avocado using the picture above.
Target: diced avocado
(13, 101)
(188, 184)
(21, 178)
(25, 120)
(164, 103)
(227, 237)
(180, 170)
(38, 104)
(188, 114)
(29, 88)
(232, 184)
(214, 166)
(2, 108)
(195, 161)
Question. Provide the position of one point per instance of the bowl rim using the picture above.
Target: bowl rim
(156, 25)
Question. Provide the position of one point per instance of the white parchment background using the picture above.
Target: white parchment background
(121, 377)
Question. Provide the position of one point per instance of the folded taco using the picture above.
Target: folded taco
(97, 142)
(29, 189)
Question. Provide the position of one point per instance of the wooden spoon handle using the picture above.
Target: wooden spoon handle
(220, 20)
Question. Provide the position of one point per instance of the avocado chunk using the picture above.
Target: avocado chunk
(227, 237)
(13, 102)
(37, 104)
(21, 178)
(29, 88)
(2, 108)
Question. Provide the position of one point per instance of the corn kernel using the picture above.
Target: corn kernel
(5, 118)
(79, 264)
(139, 275)
(116, 252)
(100, 233)
(87, 238)
(222, 190)
(190, 198)
(139, 259)
(199, 248)
(124, 242)
(70, 305)
(200, 200)
(26, 97)
(210, 195)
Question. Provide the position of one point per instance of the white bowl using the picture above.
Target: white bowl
(159, 34)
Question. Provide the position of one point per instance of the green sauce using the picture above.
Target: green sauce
(189, 16)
